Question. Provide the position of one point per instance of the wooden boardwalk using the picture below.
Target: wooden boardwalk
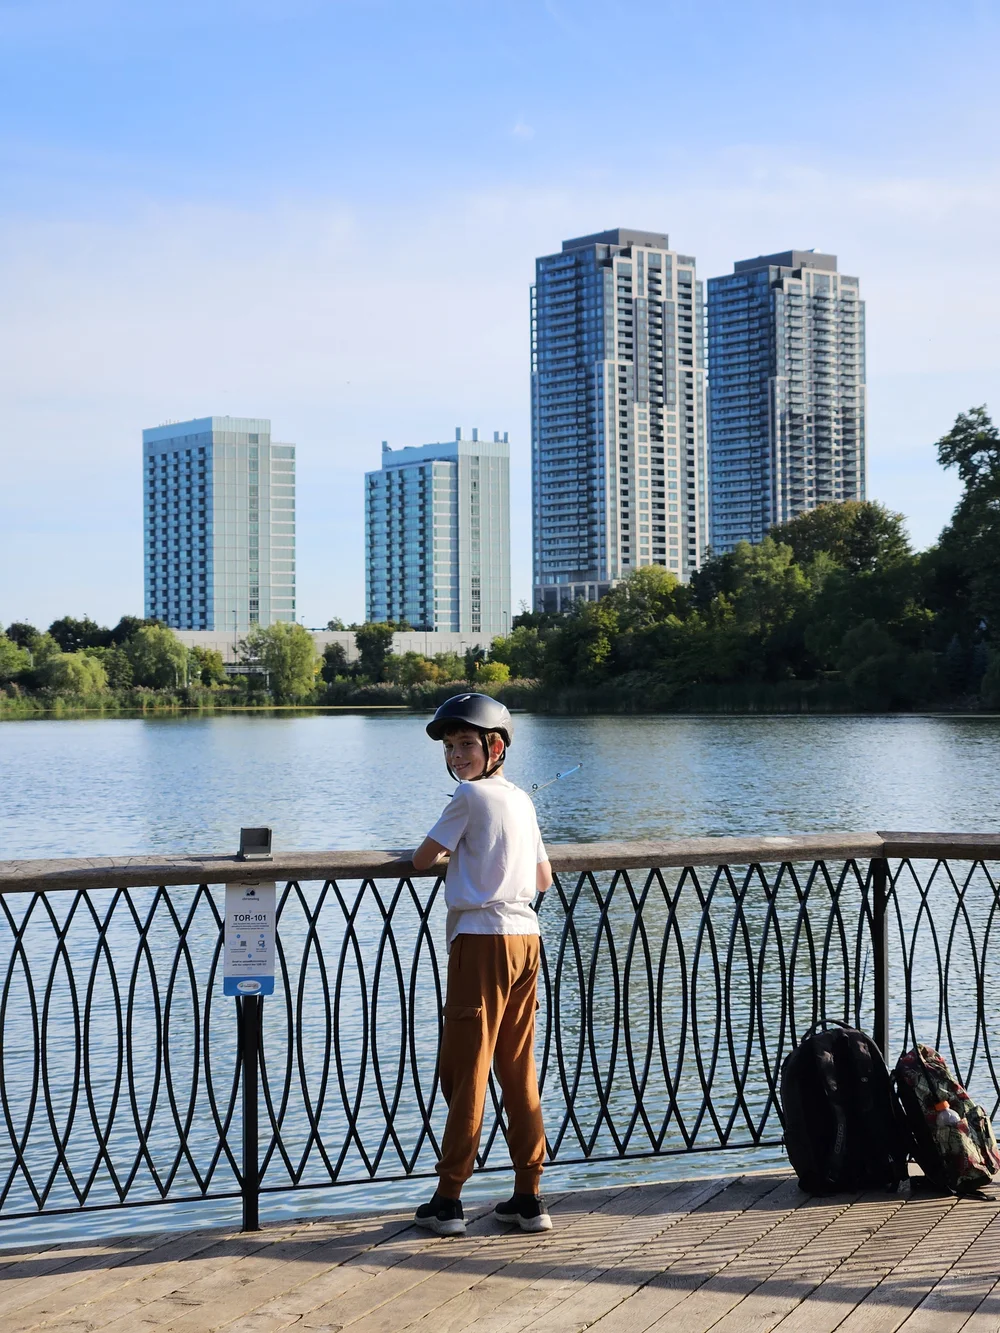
(734, 1254)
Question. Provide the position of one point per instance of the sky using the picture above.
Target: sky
(327, 212)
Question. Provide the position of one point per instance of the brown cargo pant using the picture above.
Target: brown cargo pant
(489, 1017)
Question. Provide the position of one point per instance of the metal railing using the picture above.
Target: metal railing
(676, 976)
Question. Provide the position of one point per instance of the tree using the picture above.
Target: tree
(43, 650)
(73, 636)
(206, 665)
(334, 662)
(127, 627)
(860, 535)
(450, 666)
(374, 641)
(411, 669)
(76, 673)
(769, 586)
(23, 634)
(159, 659)
(118, 667)
(286, 652)
(492, 673)
(473, 657)
(336, 624)
(646, 597)
(969, 549)
(579, 651)
(13, 659)
(523, 650)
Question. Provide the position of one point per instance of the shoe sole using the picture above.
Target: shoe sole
(531, 1224)
(454, 1227)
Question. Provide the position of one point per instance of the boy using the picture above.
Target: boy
(497, 863)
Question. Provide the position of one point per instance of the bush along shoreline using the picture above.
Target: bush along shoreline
(833, 612)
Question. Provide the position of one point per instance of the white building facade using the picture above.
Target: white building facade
(219, 524)
(437, 536)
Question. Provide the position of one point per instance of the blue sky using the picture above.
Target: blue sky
(328, 213)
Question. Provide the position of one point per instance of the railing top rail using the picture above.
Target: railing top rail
(142, 871)
(941, 846)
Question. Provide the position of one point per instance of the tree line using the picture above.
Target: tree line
(833, 610)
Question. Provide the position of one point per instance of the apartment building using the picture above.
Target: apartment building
(786, 357)
(619, 414)
(218, 524)
(437, 536)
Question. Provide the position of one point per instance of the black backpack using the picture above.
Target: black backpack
(843, 1123)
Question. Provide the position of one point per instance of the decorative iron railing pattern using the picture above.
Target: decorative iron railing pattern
(670, 995)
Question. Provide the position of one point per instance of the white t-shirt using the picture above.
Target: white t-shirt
(491, 831)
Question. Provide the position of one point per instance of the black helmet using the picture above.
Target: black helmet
(475, 710)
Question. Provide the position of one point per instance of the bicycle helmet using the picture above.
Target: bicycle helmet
(483, 714)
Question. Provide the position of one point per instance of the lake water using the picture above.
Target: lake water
(132, 786)
(187, 784)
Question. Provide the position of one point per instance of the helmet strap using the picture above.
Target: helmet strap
(489, 770)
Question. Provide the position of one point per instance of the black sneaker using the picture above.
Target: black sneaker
(527, 1211)
(442, 1215)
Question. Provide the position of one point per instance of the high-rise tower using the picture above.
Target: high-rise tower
(219, 521)
(618, 414)
(437, 536)
(786, 359)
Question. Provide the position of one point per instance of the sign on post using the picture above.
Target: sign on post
(248, 966)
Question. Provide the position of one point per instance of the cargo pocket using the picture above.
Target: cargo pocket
(457, 1012)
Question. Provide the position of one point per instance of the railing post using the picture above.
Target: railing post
(880, 952)
(249, 1010)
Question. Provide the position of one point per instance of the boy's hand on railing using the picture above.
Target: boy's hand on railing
(428, 854)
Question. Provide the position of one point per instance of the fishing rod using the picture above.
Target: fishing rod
(540, 786)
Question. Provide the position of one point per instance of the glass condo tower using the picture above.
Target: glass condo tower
(618, 398)
(786, 357)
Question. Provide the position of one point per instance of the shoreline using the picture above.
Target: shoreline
(68, 713)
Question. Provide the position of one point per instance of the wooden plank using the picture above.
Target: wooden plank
(572, 1264)
(963, 1289)
(720, 1301)
(772, 1295)
(987, 1317)
(485, 1247)
(234, 1281)
(672, 1267)
(199, 1281)
(308, 1295)
(256, 1309)
(833, 1299)
(89, 1300)
(44, 1274)
(886, 1307)
(745, 1256)
(468, 1298)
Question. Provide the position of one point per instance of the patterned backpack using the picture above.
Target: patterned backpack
(953, 1140)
